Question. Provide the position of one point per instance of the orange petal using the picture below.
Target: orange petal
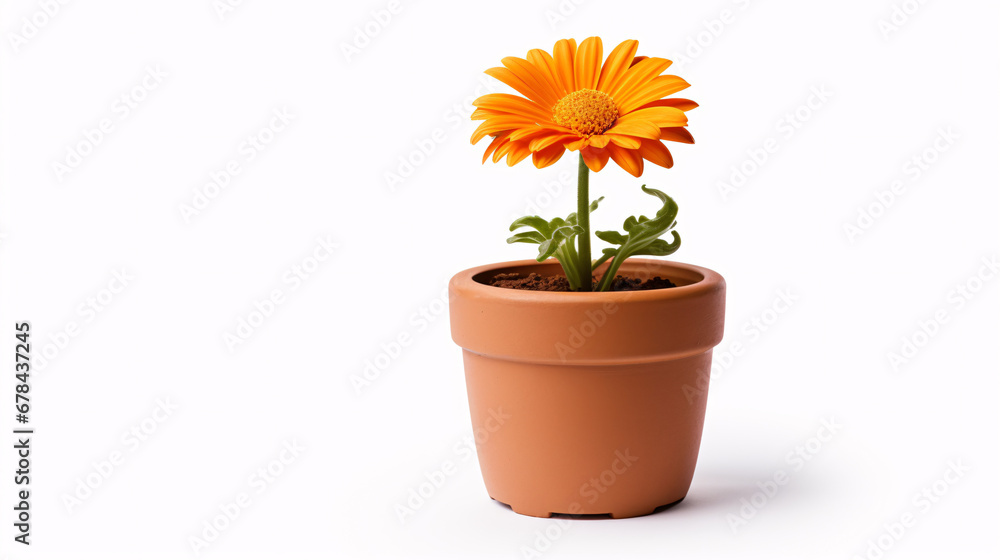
(513, 104)
(638, 76)
(660, 116)
(502, 150)
(546, 66)
(535, 79)
(535, 131)
(627, 142)
(548, 156)
(511, 79)
(595, 158)
(588, 63)
(629, 160)
(657, 88)
(657, 153)
(483, 114)
(635, 127)
(518, 151)
(543, 142)
(499, 124)
(682, 104)
(617, 65)
(564, 54)
(500, 139)
(599, 141)
(676, 134)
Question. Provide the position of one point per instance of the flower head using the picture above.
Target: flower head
(572, 102)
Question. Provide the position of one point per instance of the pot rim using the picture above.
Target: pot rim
(707, 280)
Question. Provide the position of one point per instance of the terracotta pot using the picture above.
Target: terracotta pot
(588, 403)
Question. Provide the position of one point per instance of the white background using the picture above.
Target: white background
(361, 452)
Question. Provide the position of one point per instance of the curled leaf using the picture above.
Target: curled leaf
(641, 237)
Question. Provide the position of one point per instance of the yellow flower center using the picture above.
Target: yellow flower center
(586, 112)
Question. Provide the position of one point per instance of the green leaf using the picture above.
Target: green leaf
(641, 237)
(660, 247)
(526, 237)
(554, 238)
(534, 222)
(612, 237)
(559, 236)
(593, 206)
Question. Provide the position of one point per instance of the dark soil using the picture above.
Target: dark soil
(538, 283)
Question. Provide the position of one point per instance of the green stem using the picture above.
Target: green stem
(583, 220)
(601, 261)
(609, 274)
(568, 259)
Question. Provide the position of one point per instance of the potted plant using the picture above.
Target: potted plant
(586, 376)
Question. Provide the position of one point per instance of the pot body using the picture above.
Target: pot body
(588, 403)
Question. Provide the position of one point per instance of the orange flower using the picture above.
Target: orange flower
(572, 102)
